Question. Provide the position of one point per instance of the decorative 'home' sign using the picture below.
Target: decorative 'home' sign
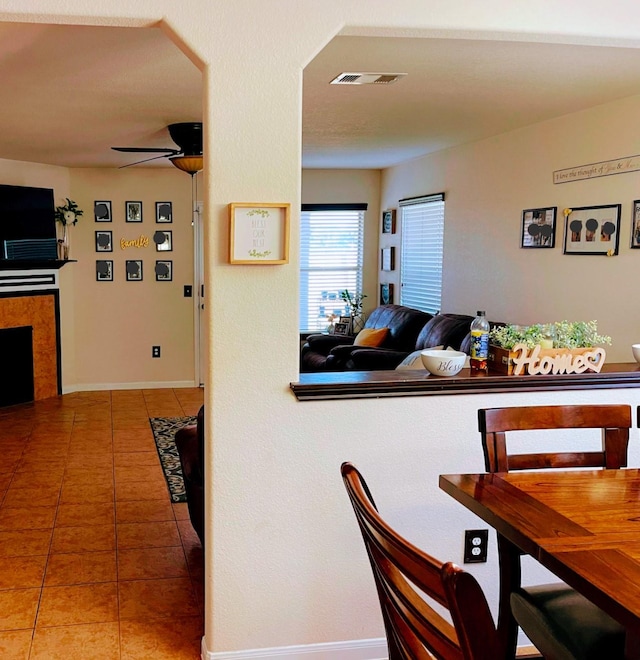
(556, 361)
(259, 233)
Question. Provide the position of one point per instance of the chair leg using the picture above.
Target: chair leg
(509, 566)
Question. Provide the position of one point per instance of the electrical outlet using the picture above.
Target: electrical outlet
(155, 351)
(188, 291)
(475, 545)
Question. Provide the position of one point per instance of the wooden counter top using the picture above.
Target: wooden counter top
(366, 384)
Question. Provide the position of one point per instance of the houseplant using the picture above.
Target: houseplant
(513, 345)
(66, 215)
(354, 303)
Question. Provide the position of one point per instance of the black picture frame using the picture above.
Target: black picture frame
(539, 227)
(386, 294)
(104, 241)
(163, 240)
(164, 212)
(133, 269)
(389, 221)
(164, 270)
(104, 270)
(388, 258)
(592, 230)
(102, 211)
(342, 329)
(133, 211)
(635, 225)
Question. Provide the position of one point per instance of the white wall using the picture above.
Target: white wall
(284, 561)
(351, 187)
(489, 183)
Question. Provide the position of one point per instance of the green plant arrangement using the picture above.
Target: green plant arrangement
(69, 213)
(565, 334)
(354, 302)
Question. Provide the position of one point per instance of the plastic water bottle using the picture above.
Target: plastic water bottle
(479, 343)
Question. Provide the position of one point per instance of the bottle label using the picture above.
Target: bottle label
(479, 345)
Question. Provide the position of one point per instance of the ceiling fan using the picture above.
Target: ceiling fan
(188, 158)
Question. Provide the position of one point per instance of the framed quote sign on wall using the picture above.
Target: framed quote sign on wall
(259, 233)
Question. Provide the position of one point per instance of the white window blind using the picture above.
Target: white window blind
(422, 228)
(331, 255)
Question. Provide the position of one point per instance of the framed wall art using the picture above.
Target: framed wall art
(164, 212)
(635, 225)
(104, 241)
(259, 233)
(104, 270)
(388, 258)
(133, 211)
(592, 230)
(164, 271)
(386, 294)
(389, 221)
(163, 240)
(102, 211)
(134, 270)
(539, 228)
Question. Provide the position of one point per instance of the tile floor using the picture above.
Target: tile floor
(95, 561)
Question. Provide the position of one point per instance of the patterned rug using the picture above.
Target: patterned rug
(164, 431)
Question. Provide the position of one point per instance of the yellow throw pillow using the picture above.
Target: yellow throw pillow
(371, 337)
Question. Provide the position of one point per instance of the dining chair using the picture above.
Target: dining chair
(414, 629)
(557, 619)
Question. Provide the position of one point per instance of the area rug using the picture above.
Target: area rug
(164, 432)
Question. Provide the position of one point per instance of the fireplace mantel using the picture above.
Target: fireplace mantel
(29, 264)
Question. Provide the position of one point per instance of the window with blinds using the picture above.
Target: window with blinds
(422, 225)
(331, 256)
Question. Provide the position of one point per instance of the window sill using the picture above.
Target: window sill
(381, 384)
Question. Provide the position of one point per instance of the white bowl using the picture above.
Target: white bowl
(636, 352)
(443, 362)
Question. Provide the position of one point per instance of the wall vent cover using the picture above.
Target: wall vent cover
(367, 78)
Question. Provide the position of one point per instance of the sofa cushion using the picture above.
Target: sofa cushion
(371, 337)
(445, 329)
(404, 325)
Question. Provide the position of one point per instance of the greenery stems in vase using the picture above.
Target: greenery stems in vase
(66, 215)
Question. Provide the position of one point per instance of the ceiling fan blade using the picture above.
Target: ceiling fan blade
(146, 160)
(149, 150)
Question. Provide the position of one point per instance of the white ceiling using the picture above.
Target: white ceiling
(72, 92)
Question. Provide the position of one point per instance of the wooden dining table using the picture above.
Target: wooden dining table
(584, 526)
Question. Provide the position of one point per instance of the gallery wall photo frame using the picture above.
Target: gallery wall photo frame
(539, 227)
(389, 221)
(133, 269)
(592, 230)
(163, 240)
(388, 258)
(164, 270)
(104, 270)
(102, 211)
(259, 233)
(104, 241)
(164, 212)
(386, 294)
(133, 211)
(635, 224)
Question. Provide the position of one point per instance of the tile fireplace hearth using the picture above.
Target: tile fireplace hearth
(38, 310)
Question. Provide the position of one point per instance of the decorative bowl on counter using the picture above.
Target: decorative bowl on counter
(440, 362)
(635, 348)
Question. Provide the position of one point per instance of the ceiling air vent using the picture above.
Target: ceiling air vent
(367, 78)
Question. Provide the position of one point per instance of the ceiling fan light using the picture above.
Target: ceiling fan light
(190, 164)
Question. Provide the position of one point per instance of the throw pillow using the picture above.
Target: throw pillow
(412, 361)
(371, 337)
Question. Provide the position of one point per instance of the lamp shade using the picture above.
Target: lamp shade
(190, 164)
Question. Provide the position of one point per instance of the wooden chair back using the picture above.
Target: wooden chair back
(495, 423)
(414, 629)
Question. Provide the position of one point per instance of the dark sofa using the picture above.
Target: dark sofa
(409, 331)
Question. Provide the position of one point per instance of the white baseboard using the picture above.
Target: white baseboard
(155, 385)
(360, 649)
